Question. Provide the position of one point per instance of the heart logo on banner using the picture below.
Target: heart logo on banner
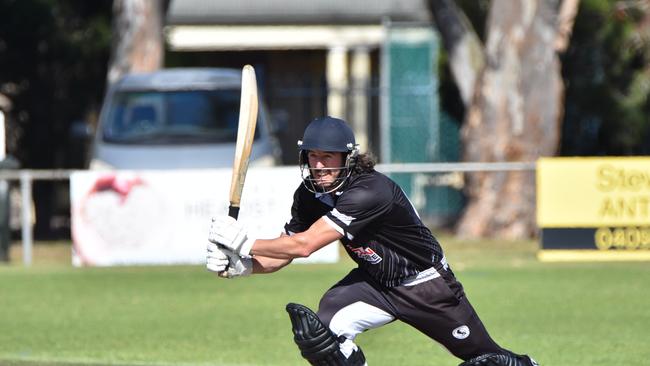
(119, 215)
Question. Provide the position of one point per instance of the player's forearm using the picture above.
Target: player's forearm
(299, 245)
(263, 265)
(284, 247)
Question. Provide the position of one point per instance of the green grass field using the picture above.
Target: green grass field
(562, 314)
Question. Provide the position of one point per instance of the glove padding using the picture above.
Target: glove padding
(231, 234)
(226, 263)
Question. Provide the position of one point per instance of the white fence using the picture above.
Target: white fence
(26, 177)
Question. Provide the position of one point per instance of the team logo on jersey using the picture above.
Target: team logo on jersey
(461, 332)
(366, 254)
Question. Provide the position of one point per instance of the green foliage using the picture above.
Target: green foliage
(607, 75)
(53, 60)
(562, 314)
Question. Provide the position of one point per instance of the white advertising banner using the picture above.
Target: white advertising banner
(163, 217)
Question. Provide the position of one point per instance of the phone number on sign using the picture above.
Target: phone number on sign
(622, 238)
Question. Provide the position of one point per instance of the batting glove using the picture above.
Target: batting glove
(227, 264)
(231, 234)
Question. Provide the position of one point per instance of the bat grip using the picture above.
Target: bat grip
(233, 211)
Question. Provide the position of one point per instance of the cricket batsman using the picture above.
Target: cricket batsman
(402, 273)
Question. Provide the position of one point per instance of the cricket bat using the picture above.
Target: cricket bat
(245, 134)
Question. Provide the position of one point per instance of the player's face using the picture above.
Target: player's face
(326, 166)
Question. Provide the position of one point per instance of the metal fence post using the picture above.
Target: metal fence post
(26, 216)
(5, 230)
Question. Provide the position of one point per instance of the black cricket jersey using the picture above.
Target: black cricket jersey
(381, 230)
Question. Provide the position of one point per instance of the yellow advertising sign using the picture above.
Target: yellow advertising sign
(593, 192)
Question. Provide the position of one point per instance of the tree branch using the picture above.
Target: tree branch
(466, 58)
(565, 20)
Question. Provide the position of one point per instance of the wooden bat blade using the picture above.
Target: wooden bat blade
(245, 134)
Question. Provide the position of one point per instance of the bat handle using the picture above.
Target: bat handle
(233, 211)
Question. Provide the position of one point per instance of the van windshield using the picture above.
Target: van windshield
(157, 117)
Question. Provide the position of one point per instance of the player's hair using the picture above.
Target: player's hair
(365, 163)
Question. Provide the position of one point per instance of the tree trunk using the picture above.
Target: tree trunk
(515, 116)
(137, 37)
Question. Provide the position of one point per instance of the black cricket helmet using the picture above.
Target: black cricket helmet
(332, 135)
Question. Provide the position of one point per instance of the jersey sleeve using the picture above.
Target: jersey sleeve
(296, 224)
(356, 209)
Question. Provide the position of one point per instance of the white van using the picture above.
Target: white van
(184, 118)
